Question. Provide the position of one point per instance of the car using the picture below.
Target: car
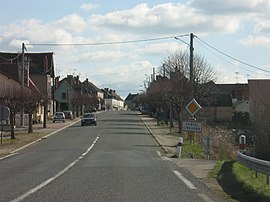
(59, 116)
(68, 114)
(89, 119)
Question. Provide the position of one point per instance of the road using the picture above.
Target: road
(117, 160)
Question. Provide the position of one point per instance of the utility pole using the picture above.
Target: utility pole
(22, 85)
(191, 79)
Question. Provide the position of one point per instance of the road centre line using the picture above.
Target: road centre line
(186, 181)
(45, 183)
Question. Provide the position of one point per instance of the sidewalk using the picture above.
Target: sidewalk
(198, 167)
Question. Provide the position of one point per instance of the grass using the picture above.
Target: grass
(195, 149)
(21, 138)
(240, 183)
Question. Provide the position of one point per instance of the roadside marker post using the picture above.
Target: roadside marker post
(179, 147)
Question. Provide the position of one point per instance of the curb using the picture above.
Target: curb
(151, 132)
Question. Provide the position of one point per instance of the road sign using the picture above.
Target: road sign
(4, 113)
(193, 107)
(193, 126)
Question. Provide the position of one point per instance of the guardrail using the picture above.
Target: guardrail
(255, 164)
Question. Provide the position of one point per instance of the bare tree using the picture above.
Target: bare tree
(31, 101)
(12, 98)
(171, 91)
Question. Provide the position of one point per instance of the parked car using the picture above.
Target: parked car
(68, 115)
(88, 119)
(59, 116)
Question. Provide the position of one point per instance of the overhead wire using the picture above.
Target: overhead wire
(231, 57)
(107, 43)
(228, 61)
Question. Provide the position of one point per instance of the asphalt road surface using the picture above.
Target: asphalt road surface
(117, 160)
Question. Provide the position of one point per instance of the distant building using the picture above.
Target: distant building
(72, 94)
(131, 102)
(112, 100)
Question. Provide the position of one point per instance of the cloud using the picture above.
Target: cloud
(73, 23)
(256, 41)
(165, 18)
(230, 7)
(88, 7)
(263, 27)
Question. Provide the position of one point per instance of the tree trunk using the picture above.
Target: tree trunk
(12, 123)
(45, 115)
(30, 126)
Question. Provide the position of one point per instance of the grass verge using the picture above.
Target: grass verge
(22, 138)
(240, 183)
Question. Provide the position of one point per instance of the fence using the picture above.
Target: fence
(255, 164)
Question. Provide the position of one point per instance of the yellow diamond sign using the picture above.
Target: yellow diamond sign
(193, 107)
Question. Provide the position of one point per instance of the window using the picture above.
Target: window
(64, 95)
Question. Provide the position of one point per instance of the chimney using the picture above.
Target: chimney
(77, 80)
(70, 79)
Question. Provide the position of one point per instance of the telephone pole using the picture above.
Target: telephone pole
(191, 79)
(22, 85)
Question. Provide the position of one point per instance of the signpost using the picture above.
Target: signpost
(207, 141)
(193, 126)
(193, 107)
(4, 116)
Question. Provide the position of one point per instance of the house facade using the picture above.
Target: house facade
(112, 100)
(38, 72)
(72, 94)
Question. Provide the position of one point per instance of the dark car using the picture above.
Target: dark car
(68, 114)
(59, 116)
(88, 119)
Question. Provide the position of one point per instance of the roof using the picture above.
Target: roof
(40, 63)
(131, 97)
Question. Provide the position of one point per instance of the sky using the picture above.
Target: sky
(116, 44)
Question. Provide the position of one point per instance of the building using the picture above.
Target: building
(112, 100)
(79, 97)
(38, 72)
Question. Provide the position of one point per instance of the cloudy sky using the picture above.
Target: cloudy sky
(239, 29)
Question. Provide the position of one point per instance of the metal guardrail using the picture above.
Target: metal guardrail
(256, 164)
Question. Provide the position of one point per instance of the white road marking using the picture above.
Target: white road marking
(186, 181)
(164, 158)
(43, 184)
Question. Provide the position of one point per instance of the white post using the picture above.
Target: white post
(179, 147)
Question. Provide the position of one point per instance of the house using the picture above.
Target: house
(72, 94)
(112, 100)
(131, 102)
(259, 99)
(38, 72)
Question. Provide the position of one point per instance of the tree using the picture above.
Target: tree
(12, 98)
(172, 89)
(31, 101)
(176, 66)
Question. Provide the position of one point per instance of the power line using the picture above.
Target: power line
(226, 60)
(258, 68)
(107, 43)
